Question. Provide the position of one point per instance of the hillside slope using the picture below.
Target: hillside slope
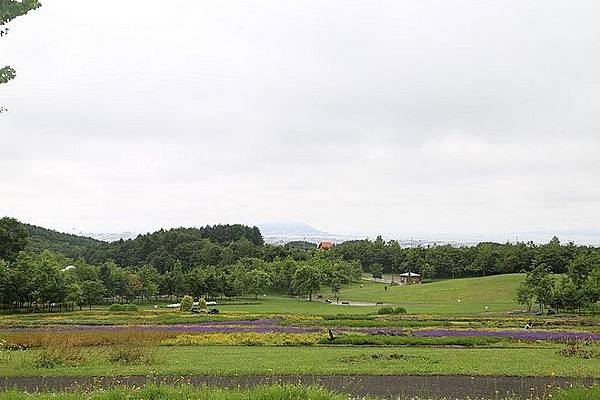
(466, 295)
(72, 246)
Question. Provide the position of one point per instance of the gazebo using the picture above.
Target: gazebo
(408, 278)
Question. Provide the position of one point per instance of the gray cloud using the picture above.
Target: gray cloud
(399, 117)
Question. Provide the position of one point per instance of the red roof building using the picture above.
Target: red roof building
(325, 245)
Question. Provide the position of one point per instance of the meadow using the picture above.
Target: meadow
(307, 360)
(251, 337)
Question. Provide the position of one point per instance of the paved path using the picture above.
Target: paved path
(381, 386)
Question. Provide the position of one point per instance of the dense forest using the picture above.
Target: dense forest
(222, 245)
(233, 260)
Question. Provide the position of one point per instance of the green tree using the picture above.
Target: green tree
(525, 295)
(581, 267)
(428, 271)
(376, 270)
(5, 283)
(541, 283)
(149, 279)
(178, 281)
(92, 292)
(74, 294)
(567, 295)
(307, 280)
(259, 281)
(13, 238)
(134, 286)
(592, 287)
(336, 284)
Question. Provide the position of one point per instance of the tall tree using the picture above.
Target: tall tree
(259, 282)
(307, 280)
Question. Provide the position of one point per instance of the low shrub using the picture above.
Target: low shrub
(57, 354)
(385, 310)
(578, 351)
(186, 303)
(131, 354)
(202, 304)
(391, 310)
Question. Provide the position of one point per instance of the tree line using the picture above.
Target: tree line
(577, 289)
(233, 260)
(447, 261)
(50, 280)
(223, 245)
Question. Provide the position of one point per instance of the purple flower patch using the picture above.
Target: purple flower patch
(255, 326)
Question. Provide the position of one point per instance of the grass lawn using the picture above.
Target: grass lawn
(182, 392)
(442, 297)
(284, 305)
(248, 360)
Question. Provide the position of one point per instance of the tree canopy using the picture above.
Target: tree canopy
(9, 10)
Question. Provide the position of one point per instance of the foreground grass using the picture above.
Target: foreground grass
(273, 392)
(276, 392)
(239, 360)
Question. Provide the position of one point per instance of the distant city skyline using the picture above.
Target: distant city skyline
(283, 236)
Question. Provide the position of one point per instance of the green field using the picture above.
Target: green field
(451, 296)
(248, 360)
(441, 297)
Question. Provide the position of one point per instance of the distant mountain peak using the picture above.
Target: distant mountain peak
(295, 229)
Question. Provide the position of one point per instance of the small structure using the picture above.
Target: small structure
(408, 278)
(325, 245)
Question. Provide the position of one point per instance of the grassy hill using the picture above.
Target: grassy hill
(467, 295)
(497, 293)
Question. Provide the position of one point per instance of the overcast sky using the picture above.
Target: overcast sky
(401, 117)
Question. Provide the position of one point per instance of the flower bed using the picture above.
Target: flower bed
(246, 339)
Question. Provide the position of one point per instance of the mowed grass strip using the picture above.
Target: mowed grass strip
(237, 360)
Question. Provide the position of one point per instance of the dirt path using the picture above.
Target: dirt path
(381, 386)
